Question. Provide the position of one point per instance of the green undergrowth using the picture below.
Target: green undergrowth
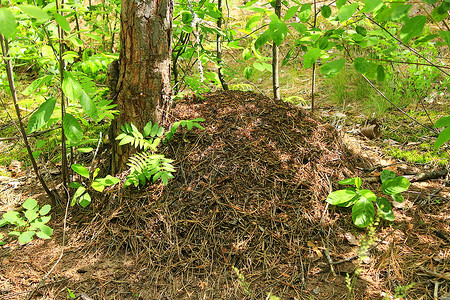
(424, 155)
(44, 145)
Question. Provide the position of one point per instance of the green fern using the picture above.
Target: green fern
(149, 139)
(145, 167)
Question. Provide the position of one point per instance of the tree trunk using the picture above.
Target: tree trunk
(142, 92)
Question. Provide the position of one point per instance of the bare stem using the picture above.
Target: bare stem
(12, 87)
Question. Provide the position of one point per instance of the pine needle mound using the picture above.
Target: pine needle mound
(249, 193)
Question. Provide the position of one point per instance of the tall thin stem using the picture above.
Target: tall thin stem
(275, 51)
(219, 47)
(12, 88)
(313, 81)
(65, 167)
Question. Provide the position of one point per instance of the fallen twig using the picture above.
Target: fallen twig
(434, 274)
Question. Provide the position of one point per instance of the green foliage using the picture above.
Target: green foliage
(241, 279)
(91, 182)
(444, 135)
(363, 210)
(149, 139)
(29, 221)
(146, 166)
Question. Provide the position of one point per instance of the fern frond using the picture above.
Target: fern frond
(146, 167)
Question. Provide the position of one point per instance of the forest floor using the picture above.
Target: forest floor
(245, 217)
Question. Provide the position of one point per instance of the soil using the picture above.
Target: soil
(245, 217)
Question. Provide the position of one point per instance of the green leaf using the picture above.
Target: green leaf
(325, 11)
(363, 212)
(40, 117)
(291, 12)
(253, 21)
(85, 149)
(62, 21)
(398, 197)
(77, 195)
(332, 68)
(32, 88)
(263, 38)
(361, 30)
(387, 175)
(395, 186)
(88, 105)
(443, 122)
(440, 13)
(279, 33)
(347, 11)
(72, 129)
(385, 209)
(381, 75)
(443, 137)
(446, 36)
(45, 209)
(310, 57)
(126, 140)
(301, 28)
(30, 215)
(305, 12)
(361, 65)
(413, 27)
(81, 170)
(13, 217)
(7, 22)
(147, 129)
(343, 198)
(85, 200)
(30, 204)
(72, 87)
(356, 181)
(400, 11)
(3, 222)
(34, 12)
(45, 232)
(75, 185)
(369, 195)
(340, 3)
(371, 5)
(26, 237)
(155, 129)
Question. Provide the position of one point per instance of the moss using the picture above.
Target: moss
(416, 156)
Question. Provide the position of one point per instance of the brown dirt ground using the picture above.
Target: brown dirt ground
(248, 193)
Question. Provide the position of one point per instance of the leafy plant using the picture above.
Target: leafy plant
(82, 195)
(241, 278)
(29, 221)
(148, 166)
(363, 210)
(444, 135)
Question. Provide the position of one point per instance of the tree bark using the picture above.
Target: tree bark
(143, 91)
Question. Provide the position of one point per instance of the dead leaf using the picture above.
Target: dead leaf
(315, 248)
(351, 239)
